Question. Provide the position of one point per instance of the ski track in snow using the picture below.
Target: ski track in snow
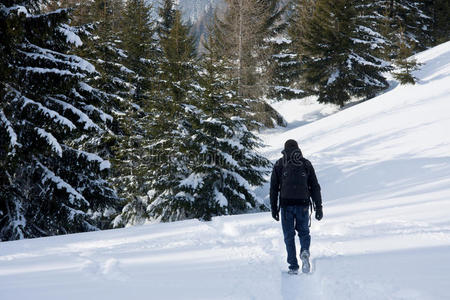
(384, 168)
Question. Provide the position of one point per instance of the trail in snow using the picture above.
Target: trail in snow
(384, 167)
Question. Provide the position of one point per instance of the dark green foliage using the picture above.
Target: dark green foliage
(285, 70)
(49, 185)
(132, 153)
(406, 21)
(205, 159)
(439, 11)
(167, 16)
(405, 64)
(179, 54)
(141, 49)
(172, 141)
(103, 47)
(230, 163)
(343, 47)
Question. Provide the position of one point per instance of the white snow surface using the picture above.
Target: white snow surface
(384, 168)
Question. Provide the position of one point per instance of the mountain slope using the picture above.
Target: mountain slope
(384, 167)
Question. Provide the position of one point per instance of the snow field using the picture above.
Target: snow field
(384, 168)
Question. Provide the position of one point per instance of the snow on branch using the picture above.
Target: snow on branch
(73, 212)
(51, 70)
(71, 36)
(104, 116)
(104, 164)
(333, 77)
(369, 31)
(279, 88)
(194, 180)
(61, 184)
(51, 140)
(220, 198)
(18, 221)
(70, 60)
(16, 9)
(12, 134)
(47, 112)
(83, 118)
(240, 180)
(233, 143)
(362, 61)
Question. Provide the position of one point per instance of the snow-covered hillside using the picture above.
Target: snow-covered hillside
(384, 167)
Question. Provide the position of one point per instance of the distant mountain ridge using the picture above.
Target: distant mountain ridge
(193, 10)
(196, 13)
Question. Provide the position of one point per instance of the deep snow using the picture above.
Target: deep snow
(384, 167)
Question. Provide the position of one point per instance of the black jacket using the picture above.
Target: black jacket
(275, 182)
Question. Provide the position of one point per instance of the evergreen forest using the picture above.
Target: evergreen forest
(119, 112)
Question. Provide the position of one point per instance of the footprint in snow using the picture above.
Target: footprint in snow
(111, 270)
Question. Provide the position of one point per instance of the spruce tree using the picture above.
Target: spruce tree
(408, 21)
(166, 18)
(407, 29)
(344, 52)
(132, 157)
(49, 185)
(285, 70)
(172, 139)
(104, 48)
(228, 164)
(438, 11)
(142, 49)
(209, 161)
(405, 63)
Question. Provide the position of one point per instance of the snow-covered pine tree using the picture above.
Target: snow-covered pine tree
(142, 52)
(141, 45)
(285, 65)
(343, 45)
(105, 22)
(48, 185)
(285, 71)
(407, 21)
(132, 157)
(227, 163)
(406, 29)
(103, 46)
(173, 144)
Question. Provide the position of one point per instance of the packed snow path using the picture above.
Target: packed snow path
(384, 166)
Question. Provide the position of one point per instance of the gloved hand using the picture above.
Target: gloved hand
(275, 214)
(319, 213)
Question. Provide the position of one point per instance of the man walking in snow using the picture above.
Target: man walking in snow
(294, 182)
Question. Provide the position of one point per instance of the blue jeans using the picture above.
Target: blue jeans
(295, 218)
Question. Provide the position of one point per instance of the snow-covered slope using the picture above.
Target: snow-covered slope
(384, 166)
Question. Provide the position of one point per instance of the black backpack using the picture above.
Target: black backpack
(294, 180)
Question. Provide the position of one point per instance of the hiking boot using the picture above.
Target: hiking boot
(293, 271)
(304, 257)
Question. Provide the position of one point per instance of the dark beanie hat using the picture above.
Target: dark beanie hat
(290, 144)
